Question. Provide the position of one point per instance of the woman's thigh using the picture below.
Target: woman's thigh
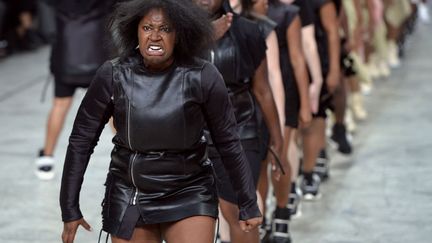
(146, 234)
(195, 229)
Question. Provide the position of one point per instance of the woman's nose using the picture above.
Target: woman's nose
(155, 35)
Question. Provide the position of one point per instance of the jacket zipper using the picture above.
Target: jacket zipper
(134, 156)
(133, 180)
(212, 56)
(128, 126)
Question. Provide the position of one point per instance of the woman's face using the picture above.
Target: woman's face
(156, 37)
(260, 6)
(211, 6)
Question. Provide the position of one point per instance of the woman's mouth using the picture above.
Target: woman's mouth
(155, 50)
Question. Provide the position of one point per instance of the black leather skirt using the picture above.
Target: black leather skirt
(154, 188)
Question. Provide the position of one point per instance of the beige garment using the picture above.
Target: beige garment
(398, 12)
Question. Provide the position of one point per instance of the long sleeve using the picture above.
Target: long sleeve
(221, 122)
(93, 113)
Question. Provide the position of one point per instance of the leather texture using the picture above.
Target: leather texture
(159, 161)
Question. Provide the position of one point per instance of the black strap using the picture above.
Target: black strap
(100, 235)
(217, 230)
(277, 159)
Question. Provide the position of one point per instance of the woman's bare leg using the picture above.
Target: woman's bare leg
(147, 234)
(196, 229)
(231, 212)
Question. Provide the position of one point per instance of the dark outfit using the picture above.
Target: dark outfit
(78, 49)
(266, 26)
(322, 44)
(237, 55)
(283, 15)
(159, 170)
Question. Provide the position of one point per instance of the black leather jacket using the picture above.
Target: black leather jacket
(155, 112)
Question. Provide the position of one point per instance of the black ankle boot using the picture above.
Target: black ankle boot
(280, 226)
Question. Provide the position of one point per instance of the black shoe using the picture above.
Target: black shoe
(264, 233)
(280, 226)
(294, 202)
(340, 138)
(310, 187)
(322, 166)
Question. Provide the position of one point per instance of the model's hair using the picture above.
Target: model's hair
(247, 7)
(194, 31)
(275, 2)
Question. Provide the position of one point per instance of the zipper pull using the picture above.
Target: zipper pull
(135, 197)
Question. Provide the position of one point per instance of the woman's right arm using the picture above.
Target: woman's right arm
(293, 34)
(94, 112)
(275, 76)
(310, 50)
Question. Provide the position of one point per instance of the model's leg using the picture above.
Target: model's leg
(196, 229)
(313, 142)
(339, 135)
(263, 183)
(293, 157)
(45, 162)
(231, 213)
(224, 231)
(56, 118)
(147, 234)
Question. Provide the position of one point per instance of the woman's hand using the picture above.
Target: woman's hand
(221, 25)
(305, 116)
(332, 81)
(314, 93)
(70, 229)
(273, 151)
(250, 224)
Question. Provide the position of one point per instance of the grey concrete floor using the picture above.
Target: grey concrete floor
(382, 193)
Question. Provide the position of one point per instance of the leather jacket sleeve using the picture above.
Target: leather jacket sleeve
(94, 112)
(221, 122)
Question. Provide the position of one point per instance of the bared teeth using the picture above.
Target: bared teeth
(155, 48)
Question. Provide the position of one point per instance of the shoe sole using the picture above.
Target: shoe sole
(309, 197)
(45, 176)
(335, 146)
(298, 213)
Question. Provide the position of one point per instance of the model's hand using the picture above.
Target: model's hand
(332, 81)
(250, 224)
(273, 151)
(222, 25)
(70, 229)
(305, 116)
(314, 94)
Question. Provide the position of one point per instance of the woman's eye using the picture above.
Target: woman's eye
(146, 28)
(166, 29)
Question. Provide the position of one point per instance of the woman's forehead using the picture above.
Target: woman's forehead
(156, 15)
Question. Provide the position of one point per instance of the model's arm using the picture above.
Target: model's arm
(221, 122)
(330, 23)
(94, 112)
(275, 76)
(263, 94)
(310, 51)
(293, 35)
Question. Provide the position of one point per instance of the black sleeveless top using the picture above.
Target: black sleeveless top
(284, 15)
(237, 55)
